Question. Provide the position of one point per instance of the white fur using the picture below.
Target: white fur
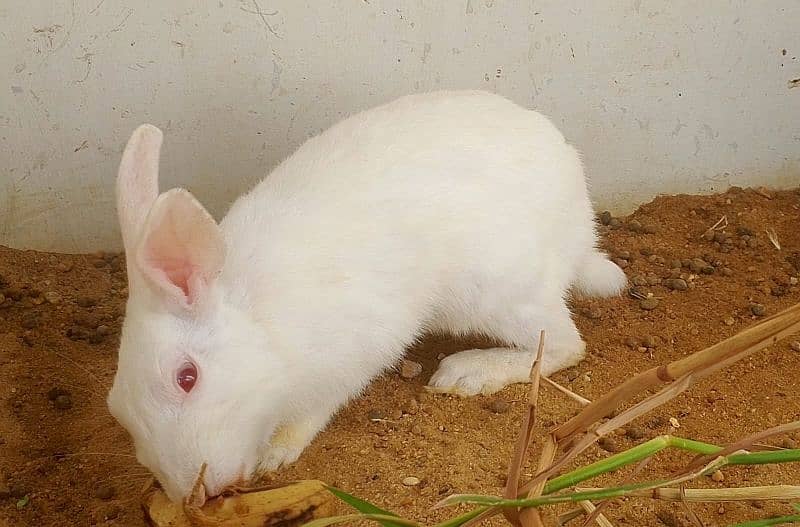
(450, 211)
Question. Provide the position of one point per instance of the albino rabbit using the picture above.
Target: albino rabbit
(450, 211)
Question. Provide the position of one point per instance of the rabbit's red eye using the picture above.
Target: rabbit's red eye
(187, 376)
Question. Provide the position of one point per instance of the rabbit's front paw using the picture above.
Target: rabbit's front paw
(276, 457)
(288, 443)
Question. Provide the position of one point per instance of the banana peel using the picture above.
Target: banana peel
(290, 505)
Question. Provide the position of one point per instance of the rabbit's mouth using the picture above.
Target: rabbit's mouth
(197, 498)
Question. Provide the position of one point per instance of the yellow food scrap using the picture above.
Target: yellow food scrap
(287, 506)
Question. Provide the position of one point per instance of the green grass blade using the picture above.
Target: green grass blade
(460, 520)
(368, 508)
(767, 456)
(591, 495)
(783, 520)
(630, 456)
(380, 518)
(609, 464)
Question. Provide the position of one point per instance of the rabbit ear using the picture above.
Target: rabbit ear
(137, 182)
(181, 250)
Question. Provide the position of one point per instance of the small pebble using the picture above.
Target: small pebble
(605, 217)
(652, 279)
(668, 518)
(29, 321)
(697, 265)
(376, 415)
(729, 321)
(53, 297)
(615, 223)
(718, 476)
(608, 444)
(63, 402)
(650, 341)
(646, 251)
(648, 304)
(55, 392)
(416, 430)
(721, 510)
(411, 407)
(675, 264)
(634, 432)
(112, 512)
(676, 284)
(631, 342)
(19, 490)
(86, 301)
(674, 422)
(779, 290)
(635, 226)
(499, 406)
(77, 333)
(95, 337)
(726, 271)
(105, 492)
(410, 481)
(639, 280)
(593, 312)
(795, 345)
(758, 309)
(14, 294)
(410, 369)
(64, 267)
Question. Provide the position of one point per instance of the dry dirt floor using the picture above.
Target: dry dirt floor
(64, 461)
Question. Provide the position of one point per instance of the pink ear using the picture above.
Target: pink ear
(137, 182)
(181, 250)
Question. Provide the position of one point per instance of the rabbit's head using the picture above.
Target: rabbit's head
(196, 381)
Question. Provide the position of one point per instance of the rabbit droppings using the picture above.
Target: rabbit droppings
(450, 211)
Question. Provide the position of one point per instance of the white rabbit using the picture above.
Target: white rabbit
(449, 211)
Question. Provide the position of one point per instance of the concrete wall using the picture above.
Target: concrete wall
(661, 96)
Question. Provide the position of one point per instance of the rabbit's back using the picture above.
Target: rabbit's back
(425, 194)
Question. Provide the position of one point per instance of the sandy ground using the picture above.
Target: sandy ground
(64, 461)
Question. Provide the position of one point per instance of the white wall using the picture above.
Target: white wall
(661, 96)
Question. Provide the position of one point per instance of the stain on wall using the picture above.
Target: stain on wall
(660, 96)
